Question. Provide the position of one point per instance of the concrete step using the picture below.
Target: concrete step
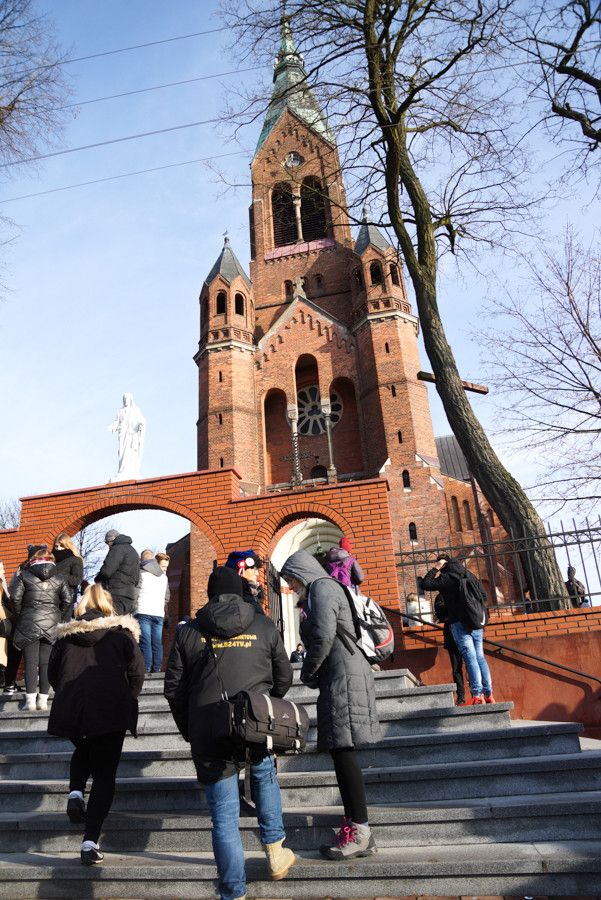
(530, 740)
(571, 867)
(389, 699)
(498, 820)
(26, 732)
(384, 786)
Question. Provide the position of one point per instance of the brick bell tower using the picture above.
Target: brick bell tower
(308, 370)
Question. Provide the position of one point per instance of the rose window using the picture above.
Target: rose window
(311, 420)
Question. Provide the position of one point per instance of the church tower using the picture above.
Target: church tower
(308, 370)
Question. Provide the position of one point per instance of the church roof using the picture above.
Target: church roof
(227, 265)
(452, 461)
(370, 235)
(291, 92)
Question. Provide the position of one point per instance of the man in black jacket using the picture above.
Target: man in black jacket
(120, 572)
(445, 578)
(250, 656)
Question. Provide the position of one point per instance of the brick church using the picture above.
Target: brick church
(308, 365)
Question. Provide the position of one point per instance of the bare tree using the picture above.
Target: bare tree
(10, 513)
(545, 355)
(33, 84)
(563, 40)
(421, 94)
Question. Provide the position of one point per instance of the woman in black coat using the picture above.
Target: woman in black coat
(38, 599)
(97, 671)
(69, 564)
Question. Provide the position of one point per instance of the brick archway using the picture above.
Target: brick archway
(294, 512)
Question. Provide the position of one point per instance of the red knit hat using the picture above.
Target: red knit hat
(345, 544)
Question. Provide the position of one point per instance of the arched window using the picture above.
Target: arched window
(318, 282)
(406, 480)
(284, 220)
(467, 514)
(394, 274)
(375, 272)
(386, 347)
(221, 462)
(314, 213)
(399, 434)
(239, 304)
(288, 290)
(221, 301)
(456, 516)
(358, 276)
(412, 532)
(220, 419)
(319, 472)
(393, 390)
(220, 376)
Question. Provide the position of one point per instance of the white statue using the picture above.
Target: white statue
(130, 426)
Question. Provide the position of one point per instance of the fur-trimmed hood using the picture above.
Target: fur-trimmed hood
(90, 631)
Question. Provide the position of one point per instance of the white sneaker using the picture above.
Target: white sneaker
(42, 702)
(30, 702)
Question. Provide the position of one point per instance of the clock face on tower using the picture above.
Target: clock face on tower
(311, 420)
(293, 160)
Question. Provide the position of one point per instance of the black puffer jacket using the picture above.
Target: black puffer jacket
(97, 671)
(251, 657)
(38, 598)
(445, 582)
(70, 567)
(120, 571)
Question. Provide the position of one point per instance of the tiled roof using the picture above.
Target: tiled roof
(227, 265)
(452, 461)
(291, 92)
(370, 235)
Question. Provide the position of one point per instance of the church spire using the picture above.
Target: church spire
(291, 90)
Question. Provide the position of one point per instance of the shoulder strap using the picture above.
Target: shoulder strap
(224, 695)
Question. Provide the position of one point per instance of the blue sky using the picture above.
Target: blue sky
(103, 281)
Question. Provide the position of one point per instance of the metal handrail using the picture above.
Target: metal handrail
(502, 647)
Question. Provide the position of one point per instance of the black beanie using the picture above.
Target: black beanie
(223, 580)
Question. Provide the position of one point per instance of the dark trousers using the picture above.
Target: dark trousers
(36, 656)
(350, 784)
(12, 664)
(456, 667)
(99, 757)
(123, 606)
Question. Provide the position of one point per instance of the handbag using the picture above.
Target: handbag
(255, 720)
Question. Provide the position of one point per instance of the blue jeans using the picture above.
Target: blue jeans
(224, 803)
(470, 644)
(151, 641)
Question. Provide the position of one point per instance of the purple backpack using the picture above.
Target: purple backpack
(340, 569)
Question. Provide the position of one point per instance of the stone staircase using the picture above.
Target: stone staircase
(462, 802)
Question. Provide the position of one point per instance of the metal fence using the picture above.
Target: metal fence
(504, 562)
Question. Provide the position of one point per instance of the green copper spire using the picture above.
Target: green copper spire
(291, 91)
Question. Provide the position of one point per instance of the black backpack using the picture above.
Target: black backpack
(473, 601)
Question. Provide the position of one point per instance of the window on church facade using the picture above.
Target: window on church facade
(221, 302)
(375, 272)
(456, 516)
(406, 480)
(393, 390)
(239, 304)
(319, 472)
(400, 436)
(288, 290)
(394, 274)
(314, 209)
(386, 347)
(467, 514)
(318, 282)
(413, 532)
(284, 220)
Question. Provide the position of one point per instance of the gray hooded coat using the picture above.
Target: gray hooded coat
(346, 706)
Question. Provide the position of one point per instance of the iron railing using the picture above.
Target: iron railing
(504, 563)
(501, 648)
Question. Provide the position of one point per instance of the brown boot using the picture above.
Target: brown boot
(279, 860)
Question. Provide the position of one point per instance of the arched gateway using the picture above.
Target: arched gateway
(222, 519)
